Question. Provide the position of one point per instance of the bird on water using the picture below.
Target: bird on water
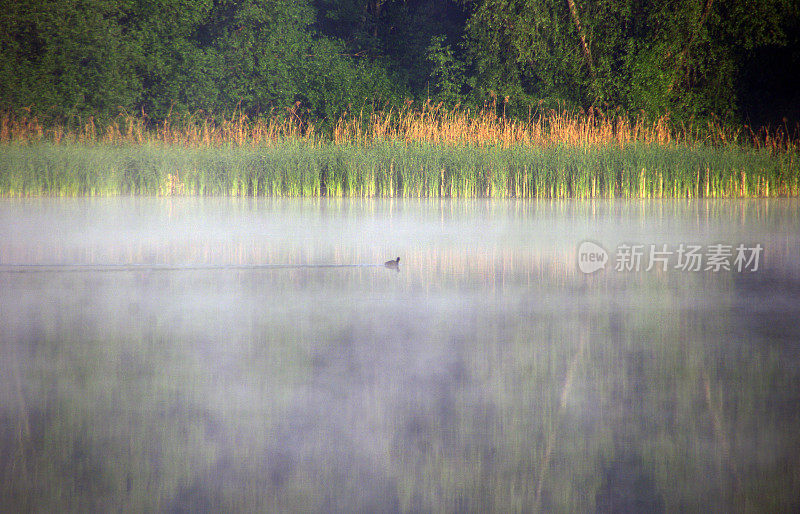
(392, 264)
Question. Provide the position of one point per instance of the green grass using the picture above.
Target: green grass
(296, 168)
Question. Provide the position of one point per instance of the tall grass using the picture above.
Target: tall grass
(425, 152)
(396, 169)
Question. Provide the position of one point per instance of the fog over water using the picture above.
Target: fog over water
(191, 355)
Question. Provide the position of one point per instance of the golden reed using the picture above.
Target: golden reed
(429, 123)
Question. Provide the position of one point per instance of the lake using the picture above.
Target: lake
(215, 354)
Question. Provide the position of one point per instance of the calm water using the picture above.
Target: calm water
(227, 355)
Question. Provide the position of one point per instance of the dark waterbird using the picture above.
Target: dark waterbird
(61, 268)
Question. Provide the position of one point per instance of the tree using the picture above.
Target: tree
(394, 34)
(681, 57)
(68, 57)
(254, 56)
(333, 82)
(447, 73)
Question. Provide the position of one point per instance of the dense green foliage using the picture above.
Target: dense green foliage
(100, 57)
(103, 57)
(681, 57)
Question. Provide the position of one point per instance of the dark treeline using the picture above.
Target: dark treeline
(688, 58)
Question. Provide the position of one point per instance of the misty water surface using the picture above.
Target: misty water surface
(487, 374)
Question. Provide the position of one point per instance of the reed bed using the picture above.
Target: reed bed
(394, 169)
(423, 152)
